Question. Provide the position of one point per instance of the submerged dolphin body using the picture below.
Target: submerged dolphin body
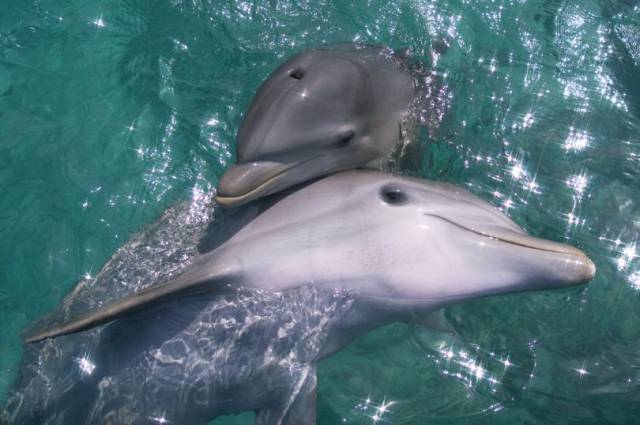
(322, 265)
(326, 109)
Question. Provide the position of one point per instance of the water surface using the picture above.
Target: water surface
(112, 111)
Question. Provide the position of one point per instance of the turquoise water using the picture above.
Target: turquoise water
(112, 111)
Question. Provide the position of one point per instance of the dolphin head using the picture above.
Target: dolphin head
(443, 243)
(426, 244)
(323, 110)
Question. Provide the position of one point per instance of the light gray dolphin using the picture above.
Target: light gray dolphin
(326, 109)
(321, 266)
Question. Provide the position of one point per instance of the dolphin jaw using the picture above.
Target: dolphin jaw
(231, 193)
(583, 268)
(245, 182)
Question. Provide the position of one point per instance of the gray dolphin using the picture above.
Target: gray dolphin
(324, 110)
(321, 266)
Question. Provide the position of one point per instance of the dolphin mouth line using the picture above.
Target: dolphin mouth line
(521, 240)
(569, 250)
(233, 199)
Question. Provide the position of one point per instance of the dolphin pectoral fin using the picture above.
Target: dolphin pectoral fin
(194, 279)
(430, 330)
(299, 405)
(436, 321)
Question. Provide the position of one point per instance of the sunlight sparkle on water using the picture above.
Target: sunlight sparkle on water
(378, 410)
(99, 22)
(532, 186)
(476, 369)
(492, 65)
(573, 219)
(578, 183)
(198, 194)
(517, 171)
(627, 255)
(576, 141)
(634, 280)
(86, 365)
(381, 410)
(630, 251)
(471, 369)
(159, 419)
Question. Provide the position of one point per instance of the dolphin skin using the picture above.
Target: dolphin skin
(244, 326)
(325, 109)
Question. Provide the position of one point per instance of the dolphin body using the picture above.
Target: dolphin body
(303, 278)
(325, 109)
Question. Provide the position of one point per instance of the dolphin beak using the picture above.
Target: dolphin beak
(547, 264)
(242, 183)
(563, 265)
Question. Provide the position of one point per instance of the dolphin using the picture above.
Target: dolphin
(323, 110)
(309, 273)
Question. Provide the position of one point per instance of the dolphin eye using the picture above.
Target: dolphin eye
(346, 138)
(393, 195)
(296, 73)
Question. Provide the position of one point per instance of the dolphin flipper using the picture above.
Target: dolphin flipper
(436, 321)
(299, 407)
(198, 277)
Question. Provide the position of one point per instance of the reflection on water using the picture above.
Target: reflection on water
(544, 124)
(376, 412)
(110, 112)
(85, 365)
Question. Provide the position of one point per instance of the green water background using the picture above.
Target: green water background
(111, 111)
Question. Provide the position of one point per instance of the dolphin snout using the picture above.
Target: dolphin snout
(586, 269)
(245, 182)
(557, 264)
(543, 264)
(575, 267)
(242, 183)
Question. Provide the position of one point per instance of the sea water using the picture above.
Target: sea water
(113, 111)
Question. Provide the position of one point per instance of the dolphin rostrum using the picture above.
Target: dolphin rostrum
(325, 109)
(319, 267)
